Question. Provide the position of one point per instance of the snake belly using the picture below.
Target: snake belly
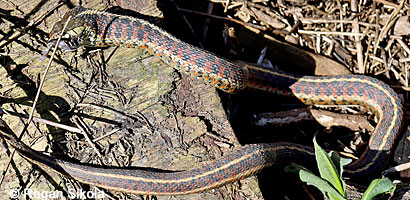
(97, 28)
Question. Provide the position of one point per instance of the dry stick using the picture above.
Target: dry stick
(397, 168)
(107, 109)
(376, 35)
(403, 45)
(406, 65)
(367, 53)
(77, 121)
(359, 47)
(329, 33)
(207, 21)
(105, 135)
(24, 123)
(341, 19)
(224, 18)
(341, 22)
(30, 117)
(188, 24)
(387, 3)
(392, 19)
(40, 120)
(226, 6)
(407, 49)
(403, 60)
(16, 34)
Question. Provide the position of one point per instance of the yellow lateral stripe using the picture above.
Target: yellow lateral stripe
(233, 162)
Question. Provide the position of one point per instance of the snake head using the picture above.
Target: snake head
(73, 35)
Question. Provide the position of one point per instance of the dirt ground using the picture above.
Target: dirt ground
(127, 108)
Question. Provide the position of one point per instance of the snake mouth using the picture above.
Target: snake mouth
(65, 44)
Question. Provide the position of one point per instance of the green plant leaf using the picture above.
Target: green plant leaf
(324, 186)
(378, 186)
(295, 168)
(328, 169)
(339, 163)
(311, 179)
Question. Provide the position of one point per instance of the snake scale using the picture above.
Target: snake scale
(99, 29)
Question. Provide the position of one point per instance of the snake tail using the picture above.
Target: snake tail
(241, 163)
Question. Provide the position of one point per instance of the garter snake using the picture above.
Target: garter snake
(98, 29)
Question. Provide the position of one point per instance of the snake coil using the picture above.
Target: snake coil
(97, 28)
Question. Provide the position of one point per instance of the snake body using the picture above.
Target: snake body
(97, 28)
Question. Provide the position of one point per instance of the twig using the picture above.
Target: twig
(105, 135)
(77, 121)
(359, 47)
(106, 109)
(24, 123)
(329, 33)
(318, 21)
(180, 138)
(34, 22)
(207, 20)
(404, 59)
(387, 3)
(393, 17)
(225, 18)
(30, 118)
(7, 166)
(397, 168)
(188, 24)
(40, 120)
(226, 6)
(403, 45)
(324, 118)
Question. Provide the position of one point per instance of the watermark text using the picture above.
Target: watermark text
(46, 195)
